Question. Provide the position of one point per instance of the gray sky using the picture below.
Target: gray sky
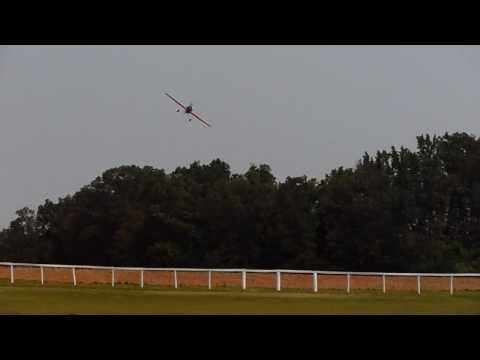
(68, 113)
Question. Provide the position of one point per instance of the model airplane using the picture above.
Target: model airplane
(188, 110)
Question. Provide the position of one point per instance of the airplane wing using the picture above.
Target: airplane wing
(198, 117)
(171, 97)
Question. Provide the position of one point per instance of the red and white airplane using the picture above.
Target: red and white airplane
(188, 110)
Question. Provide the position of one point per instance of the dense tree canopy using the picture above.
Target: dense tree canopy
(394, 211)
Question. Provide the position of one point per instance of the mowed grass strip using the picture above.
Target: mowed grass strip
(124, 299)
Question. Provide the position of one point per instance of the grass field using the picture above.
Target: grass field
(58, 299)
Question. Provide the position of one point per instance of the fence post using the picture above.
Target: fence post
(141, 278)
(348, 283)
(279, 280)
(418, 285)
(209, 279)
(315, 283)
(113, 277)
(244, 280)
(41, 274)
(74, 277)
(11, 274)
(451, 284)
(175, 283)
(384, 288)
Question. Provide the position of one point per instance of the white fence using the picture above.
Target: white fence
(243, 283)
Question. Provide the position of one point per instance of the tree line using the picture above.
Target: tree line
(396, 210)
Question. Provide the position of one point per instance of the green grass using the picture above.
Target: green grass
(31, 298)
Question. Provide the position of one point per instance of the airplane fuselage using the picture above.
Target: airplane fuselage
(188, 110)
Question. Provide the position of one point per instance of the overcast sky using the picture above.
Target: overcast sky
(68, 113)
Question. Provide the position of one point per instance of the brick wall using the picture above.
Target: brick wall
(231, 279)
(297, 281)
(4, 272)
(57, 275)
(261, 280)
(27, 273)
(127, 277)
(466, 283)
(158, 278)
(366, 282)
(337, 282)
(90, 276)
(401, 283)
(191, 278)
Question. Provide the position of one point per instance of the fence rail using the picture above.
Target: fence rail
(257, 277)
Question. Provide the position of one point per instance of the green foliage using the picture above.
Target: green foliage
(398, 210)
